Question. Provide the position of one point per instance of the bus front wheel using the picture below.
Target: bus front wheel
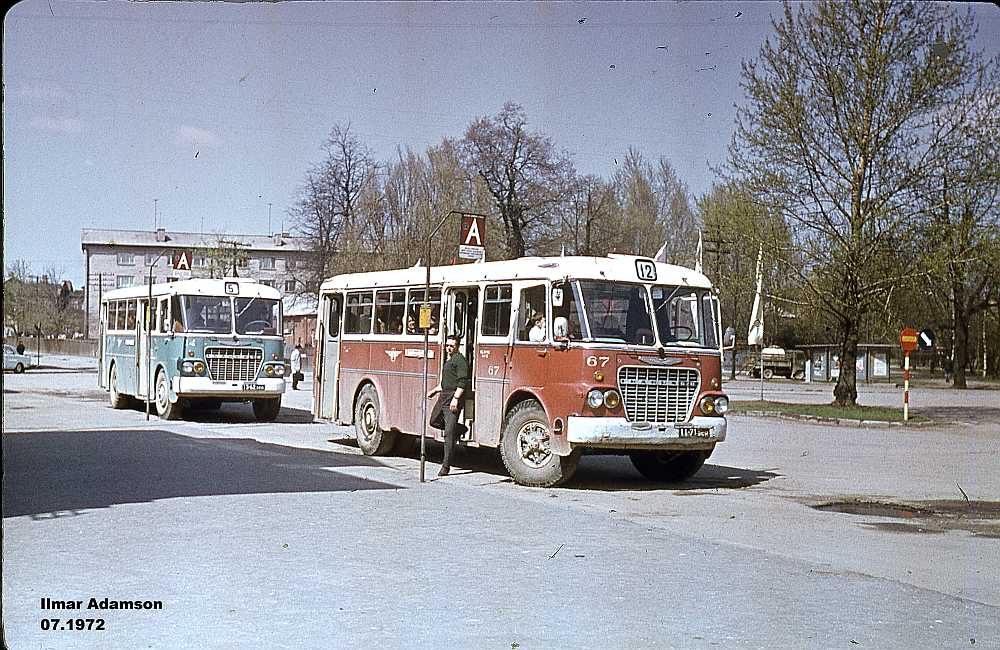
(118, 401)
(166, 409)
(266, 410)
(668, 466)
(372, 439)
(526, 451)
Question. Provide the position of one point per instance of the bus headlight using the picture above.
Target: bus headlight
(595, 398)
(199, 368)
(612, 399)
(279, 371)
(269, 371)
(187, 367)
(714, 405)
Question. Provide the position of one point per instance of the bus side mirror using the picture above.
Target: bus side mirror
(560, 328)
(729, 338)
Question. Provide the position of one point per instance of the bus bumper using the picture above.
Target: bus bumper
(205, 387)
(617, 433)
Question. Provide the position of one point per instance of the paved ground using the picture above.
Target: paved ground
(283, 535)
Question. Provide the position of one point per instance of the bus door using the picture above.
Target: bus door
(463, 312)
(142, 323)
(328, 370)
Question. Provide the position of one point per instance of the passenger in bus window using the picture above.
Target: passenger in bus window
(537, 332)
(433, 329)
(411, 325)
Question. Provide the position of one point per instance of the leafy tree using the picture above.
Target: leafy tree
(835, 136)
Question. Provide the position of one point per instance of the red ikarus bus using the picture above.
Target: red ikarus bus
(627, 360)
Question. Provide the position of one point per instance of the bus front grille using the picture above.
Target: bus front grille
(234, 364)
(658, 394)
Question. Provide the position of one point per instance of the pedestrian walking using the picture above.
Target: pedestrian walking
(296, 361)
(454, 376)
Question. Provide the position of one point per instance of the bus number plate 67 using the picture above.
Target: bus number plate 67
(253, 387)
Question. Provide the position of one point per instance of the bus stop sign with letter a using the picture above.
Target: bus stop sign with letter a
(471, 245)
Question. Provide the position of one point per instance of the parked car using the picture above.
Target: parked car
(14, 361)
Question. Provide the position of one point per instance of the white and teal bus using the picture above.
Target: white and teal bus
(211, 341)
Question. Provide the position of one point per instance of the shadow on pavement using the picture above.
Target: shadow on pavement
(239, 413)
(968, 414)
(54, 472)
(596, 472)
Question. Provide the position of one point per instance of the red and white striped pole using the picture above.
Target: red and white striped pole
(906, 387)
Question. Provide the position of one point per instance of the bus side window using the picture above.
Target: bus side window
(530, 309)
(496, 310)
(163, 315)
(358, 318)
(333, 316)
(176, 314)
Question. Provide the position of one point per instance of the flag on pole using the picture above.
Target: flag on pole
(697, 261)
(755, 335)
(661, 255)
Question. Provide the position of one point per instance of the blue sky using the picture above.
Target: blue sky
(216, 109)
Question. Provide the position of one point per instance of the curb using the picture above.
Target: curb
(840, 421)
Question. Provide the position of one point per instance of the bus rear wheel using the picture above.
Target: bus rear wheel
(668, 466)
(525, 447)
(166, 409)
(266, 410)
(118, 401)
(372, 439)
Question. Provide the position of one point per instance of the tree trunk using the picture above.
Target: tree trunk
(845, 393)
(961, 359)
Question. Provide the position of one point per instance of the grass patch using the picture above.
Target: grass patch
(880, 413)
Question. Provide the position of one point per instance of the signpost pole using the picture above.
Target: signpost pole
(906, 386)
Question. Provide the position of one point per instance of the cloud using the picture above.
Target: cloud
(57, 124)
(192, 135)
(43, 92)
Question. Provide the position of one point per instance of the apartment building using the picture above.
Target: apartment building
(124, 258)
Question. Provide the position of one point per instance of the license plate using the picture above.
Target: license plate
(253, 387)
(692, 432)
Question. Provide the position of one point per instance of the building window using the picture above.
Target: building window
(289, 285)
(266, 283)
(199, 261)
(126, 259)
(150, 258)
(290, 264)
(267, 263)
(123, 281)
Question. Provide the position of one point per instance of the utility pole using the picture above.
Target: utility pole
(269, 219)
(154, 214)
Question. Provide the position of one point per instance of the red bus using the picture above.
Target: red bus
(628, 362)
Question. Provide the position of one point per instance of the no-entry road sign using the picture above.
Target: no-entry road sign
(908, 340)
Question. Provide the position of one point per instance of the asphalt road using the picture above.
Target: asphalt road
(284, 536)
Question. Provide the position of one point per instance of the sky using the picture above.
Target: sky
(206, 116)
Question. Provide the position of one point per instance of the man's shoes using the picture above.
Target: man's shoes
(443, 471)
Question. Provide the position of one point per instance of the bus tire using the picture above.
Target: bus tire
(668, 466)
(19, 368)
(768, 373)
(166, 409)
(526, 452)
(118, 401)
(373, 440)
(266, 410)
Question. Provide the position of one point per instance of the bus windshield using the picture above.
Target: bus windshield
(617, 312)
(208, 314)
(257, 316)
(685, 316)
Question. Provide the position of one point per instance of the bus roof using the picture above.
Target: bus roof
(248, 288)
(614, 267)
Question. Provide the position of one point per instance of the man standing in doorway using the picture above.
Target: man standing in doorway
(296, 362)
(454, 376)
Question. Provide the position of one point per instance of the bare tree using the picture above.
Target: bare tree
(836, 133)
(527, 178)
(328, 211)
